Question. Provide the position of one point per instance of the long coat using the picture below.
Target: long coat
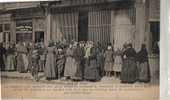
(50, 66)
(109, 60)
(129, 72)
(69, 65)
(143, 65)
(91, 71)
(10, 59)
(78, 57)
(21, 59)
(2, 61)
(100, 61)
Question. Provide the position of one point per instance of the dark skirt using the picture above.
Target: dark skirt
(144, 72)
(91, 71)
(60, 68)
(129, 72)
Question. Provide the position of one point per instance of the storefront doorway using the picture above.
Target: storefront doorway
(39, 36)
(83, 26)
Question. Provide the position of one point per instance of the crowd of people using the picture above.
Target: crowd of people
(76, 61)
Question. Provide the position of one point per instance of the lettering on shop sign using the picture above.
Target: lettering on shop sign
(24, 27)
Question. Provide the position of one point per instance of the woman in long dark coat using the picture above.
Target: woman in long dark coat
(10, 58)
(91, 71)
(2, 54)
(100, 59)
(78, 56)
(143, 64)
(129, 72)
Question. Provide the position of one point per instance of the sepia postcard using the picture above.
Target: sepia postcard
(84, 49)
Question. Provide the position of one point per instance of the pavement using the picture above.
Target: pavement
(27, 76)
(22, 86)
(17, 75)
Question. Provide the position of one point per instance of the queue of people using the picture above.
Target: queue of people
(77, 61)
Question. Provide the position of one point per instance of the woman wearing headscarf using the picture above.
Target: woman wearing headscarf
(10, 58)
(91, 71)
(50, 65)
(109, 60)
(129, 72)
(143, 64)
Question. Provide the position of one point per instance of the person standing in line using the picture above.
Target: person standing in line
(91, 72)
(82, 49)
(35, 63)
(21, 53)
(69, 66)
(118, 62)
(2, 54)
(60, 62)
(25, 56)
(109, 60)
(129, 72)
(78, 56)
(50, 65)
(143, 64)
(30, 51)
(42, 53)
(10, 58)
(100, 59)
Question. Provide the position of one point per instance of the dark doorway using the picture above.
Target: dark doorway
(39, 36)
(83, 26)
(155, 30)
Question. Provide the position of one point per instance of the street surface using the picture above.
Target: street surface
(21, 86)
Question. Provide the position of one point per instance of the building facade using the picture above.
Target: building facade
(115, 21)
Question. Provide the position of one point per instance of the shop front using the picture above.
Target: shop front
(28, 25)
(104, 23)
(24, 31)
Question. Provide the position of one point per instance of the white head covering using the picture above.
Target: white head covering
(109, 47)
